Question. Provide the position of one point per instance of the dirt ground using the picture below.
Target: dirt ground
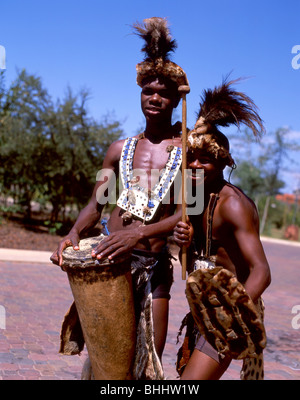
(16, 235)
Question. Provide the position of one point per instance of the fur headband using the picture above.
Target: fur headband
(158, 45)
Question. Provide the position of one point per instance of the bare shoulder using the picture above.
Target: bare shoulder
(116, 146)
(113, 154)
(234, 205)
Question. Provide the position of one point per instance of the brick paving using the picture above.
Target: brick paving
(34, 297)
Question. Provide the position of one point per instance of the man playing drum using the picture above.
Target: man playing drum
(141, 221)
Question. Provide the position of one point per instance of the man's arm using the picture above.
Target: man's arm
(120, 242)
(90, 214)
(239, 216)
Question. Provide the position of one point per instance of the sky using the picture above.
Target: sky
(89, 44)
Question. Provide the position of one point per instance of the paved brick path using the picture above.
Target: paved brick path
(34, 297)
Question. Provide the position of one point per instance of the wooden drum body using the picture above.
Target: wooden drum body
(103, 296)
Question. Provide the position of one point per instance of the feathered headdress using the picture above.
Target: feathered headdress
(223, 106)
(158, 46)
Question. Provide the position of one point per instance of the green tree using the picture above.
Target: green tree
(75, 152)
(260, 177)
(49, 152)
(249, 178)
(275, 153)
(24, 123)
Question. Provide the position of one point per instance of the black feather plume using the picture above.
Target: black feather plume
(156, 34)
(224, 106)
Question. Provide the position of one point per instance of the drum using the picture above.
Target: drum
(103, 296)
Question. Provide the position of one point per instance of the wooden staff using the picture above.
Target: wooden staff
(184, 90)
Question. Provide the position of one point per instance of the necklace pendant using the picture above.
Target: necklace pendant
(127, 216)
(131, 198)
(169, 148)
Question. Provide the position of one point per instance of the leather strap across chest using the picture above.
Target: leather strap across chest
(209, 220)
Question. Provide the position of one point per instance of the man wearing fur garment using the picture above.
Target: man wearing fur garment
(227, 266)
(142, 219)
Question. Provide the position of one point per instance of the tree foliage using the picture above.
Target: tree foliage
(50, 151)
(259, 172)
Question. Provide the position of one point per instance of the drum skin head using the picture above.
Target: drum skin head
(82, 258)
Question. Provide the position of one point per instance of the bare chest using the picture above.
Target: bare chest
(148, 156)
(149, 160)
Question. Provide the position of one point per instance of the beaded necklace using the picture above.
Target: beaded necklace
(136, 200)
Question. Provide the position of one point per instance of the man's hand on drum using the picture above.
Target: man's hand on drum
(183, 234)
(115, 244)
(72, 239)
